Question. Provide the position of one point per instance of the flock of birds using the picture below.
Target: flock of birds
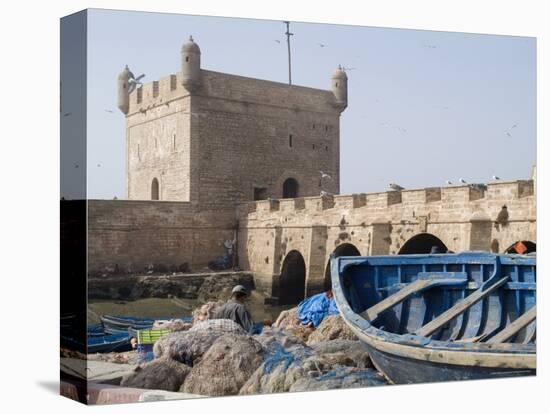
(397, 187)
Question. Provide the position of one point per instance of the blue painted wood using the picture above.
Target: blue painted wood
(361, 282)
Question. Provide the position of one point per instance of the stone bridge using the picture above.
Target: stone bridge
(287, 243)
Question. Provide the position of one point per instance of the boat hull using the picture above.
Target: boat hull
(414, 353)
(402, 370)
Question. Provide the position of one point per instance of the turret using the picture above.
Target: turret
(123, 89)
(340, 87)
(190, 65)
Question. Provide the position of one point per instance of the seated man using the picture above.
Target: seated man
(235, 309)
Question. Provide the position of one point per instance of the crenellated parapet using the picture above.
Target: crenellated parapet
(453, 204)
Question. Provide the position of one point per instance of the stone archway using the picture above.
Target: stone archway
(155, 189)
(522, 247)
(292, 282)
(290, 188)
(345, 249)
(422, 244)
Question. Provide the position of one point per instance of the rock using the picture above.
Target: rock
(189, 346)
(289, 321)
(159, 374)
(205, 312)
(333, 327)
(340, 377)
(216, 287)
(225, 367)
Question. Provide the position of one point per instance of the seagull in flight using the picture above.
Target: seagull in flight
(110, 111)
(322, 45)
(133, 81)
(396, 187)
(277, 40)
(325, 175)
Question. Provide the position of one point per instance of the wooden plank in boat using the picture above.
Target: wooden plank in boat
(514, 327)
(461, 306)
(425, 280)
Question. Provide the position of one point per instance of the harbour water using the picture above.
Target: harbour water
(174, 308)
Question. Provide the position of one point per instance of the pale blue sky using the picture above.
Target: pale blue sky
(424, 106)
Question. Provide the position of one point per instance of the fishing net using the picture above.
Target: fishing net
(172, 324)
(225, 367)
(189, 346)
(331, 328)
(287, 361)
(159, 374)
(205, 312)
(289, 321)
(338, 377)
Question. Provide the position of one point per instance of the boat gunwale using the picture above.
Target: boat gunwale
(502, 355)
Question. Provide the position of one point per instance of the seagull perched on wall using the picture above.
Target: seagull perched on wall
(396, 187)
(463, 181)
(324, 193)
(495, 177)
(448, 182)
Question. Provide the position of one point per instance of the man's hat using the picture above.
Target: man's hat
(239, 289)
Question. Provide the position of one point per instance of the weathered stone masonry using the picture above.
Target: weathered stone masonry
(216, 139)
(463, 218)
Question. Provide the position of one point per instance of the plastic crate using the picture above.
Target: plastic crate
(150, 336)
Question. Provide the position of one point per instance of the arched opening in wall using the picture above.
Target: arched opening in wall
(522, 247)
(155, 189)
(346, 249)
(423, 243)
(292, 283)
(290, 188)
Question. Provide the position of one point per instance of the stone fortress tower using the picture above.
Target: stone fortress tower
(216, 139)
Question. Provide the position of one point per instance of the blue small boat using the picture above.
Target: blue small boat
(109, 343)
(120, 324)
(444, 317)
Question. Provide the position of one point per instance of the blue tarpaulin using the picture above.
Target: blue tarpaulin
(315, 308)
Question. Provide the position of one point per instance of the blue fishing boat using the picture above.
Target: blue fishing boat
(120, 324)
(442, 317)
(109, 343)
